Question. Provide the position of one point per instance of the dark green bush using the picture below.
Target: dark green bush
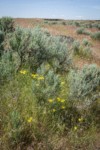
(1, 42)
(7, 24)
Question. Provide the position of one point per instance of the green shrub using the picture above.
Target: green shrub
(85, 51)
(98, 26)
(85, 84)
(85, 42)
(77, 24)
(95, 36)
(1, 37)
(8, 66)
(46, 84)
(86, 33)
(76, 47)
(49, 49)
(7, 24)
(1, 42)
(82, 50)
(63, 23)
(20, 42)
(36, 47)
(80, 31)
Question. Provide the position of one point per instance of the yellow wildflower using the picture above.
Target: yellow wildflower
(62, 83)
(41, 78)
(54, 110)
(30, 120)
(23, 71)
(62, 100)
(80, 119)
(75, 128)
(63, 107)
(34, 75)
(50, 100)
(58, 99)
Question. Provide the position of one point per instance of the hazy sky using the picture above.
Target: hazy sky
(66, 9)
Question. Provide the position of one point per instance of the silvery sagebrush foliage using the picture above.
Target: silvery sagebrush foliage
(7, 24)
(37, 47)
(46, 48)
(76, 47)
(47, 88)
(7, 66)
(20, 42)
(96, 35)
(85, 84)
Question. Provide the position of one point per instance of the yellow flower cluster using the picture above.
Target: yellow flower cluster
(23, 71)
(36, 76)
(30, 120)
(62, 83)
(60, 100)
(54, 110)
(80, 119)
(41, 78)
(75, 128)
(63, 107)
(50, 100)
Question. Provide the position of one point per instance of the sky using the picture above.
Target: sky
(62, 9)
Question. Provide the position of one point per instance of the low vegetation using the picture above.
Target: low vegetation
(95, 36)
(45, 102)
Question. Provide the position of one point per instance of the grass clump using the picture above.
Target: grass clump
(95, 36)
(83, 50)
(80, 30)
